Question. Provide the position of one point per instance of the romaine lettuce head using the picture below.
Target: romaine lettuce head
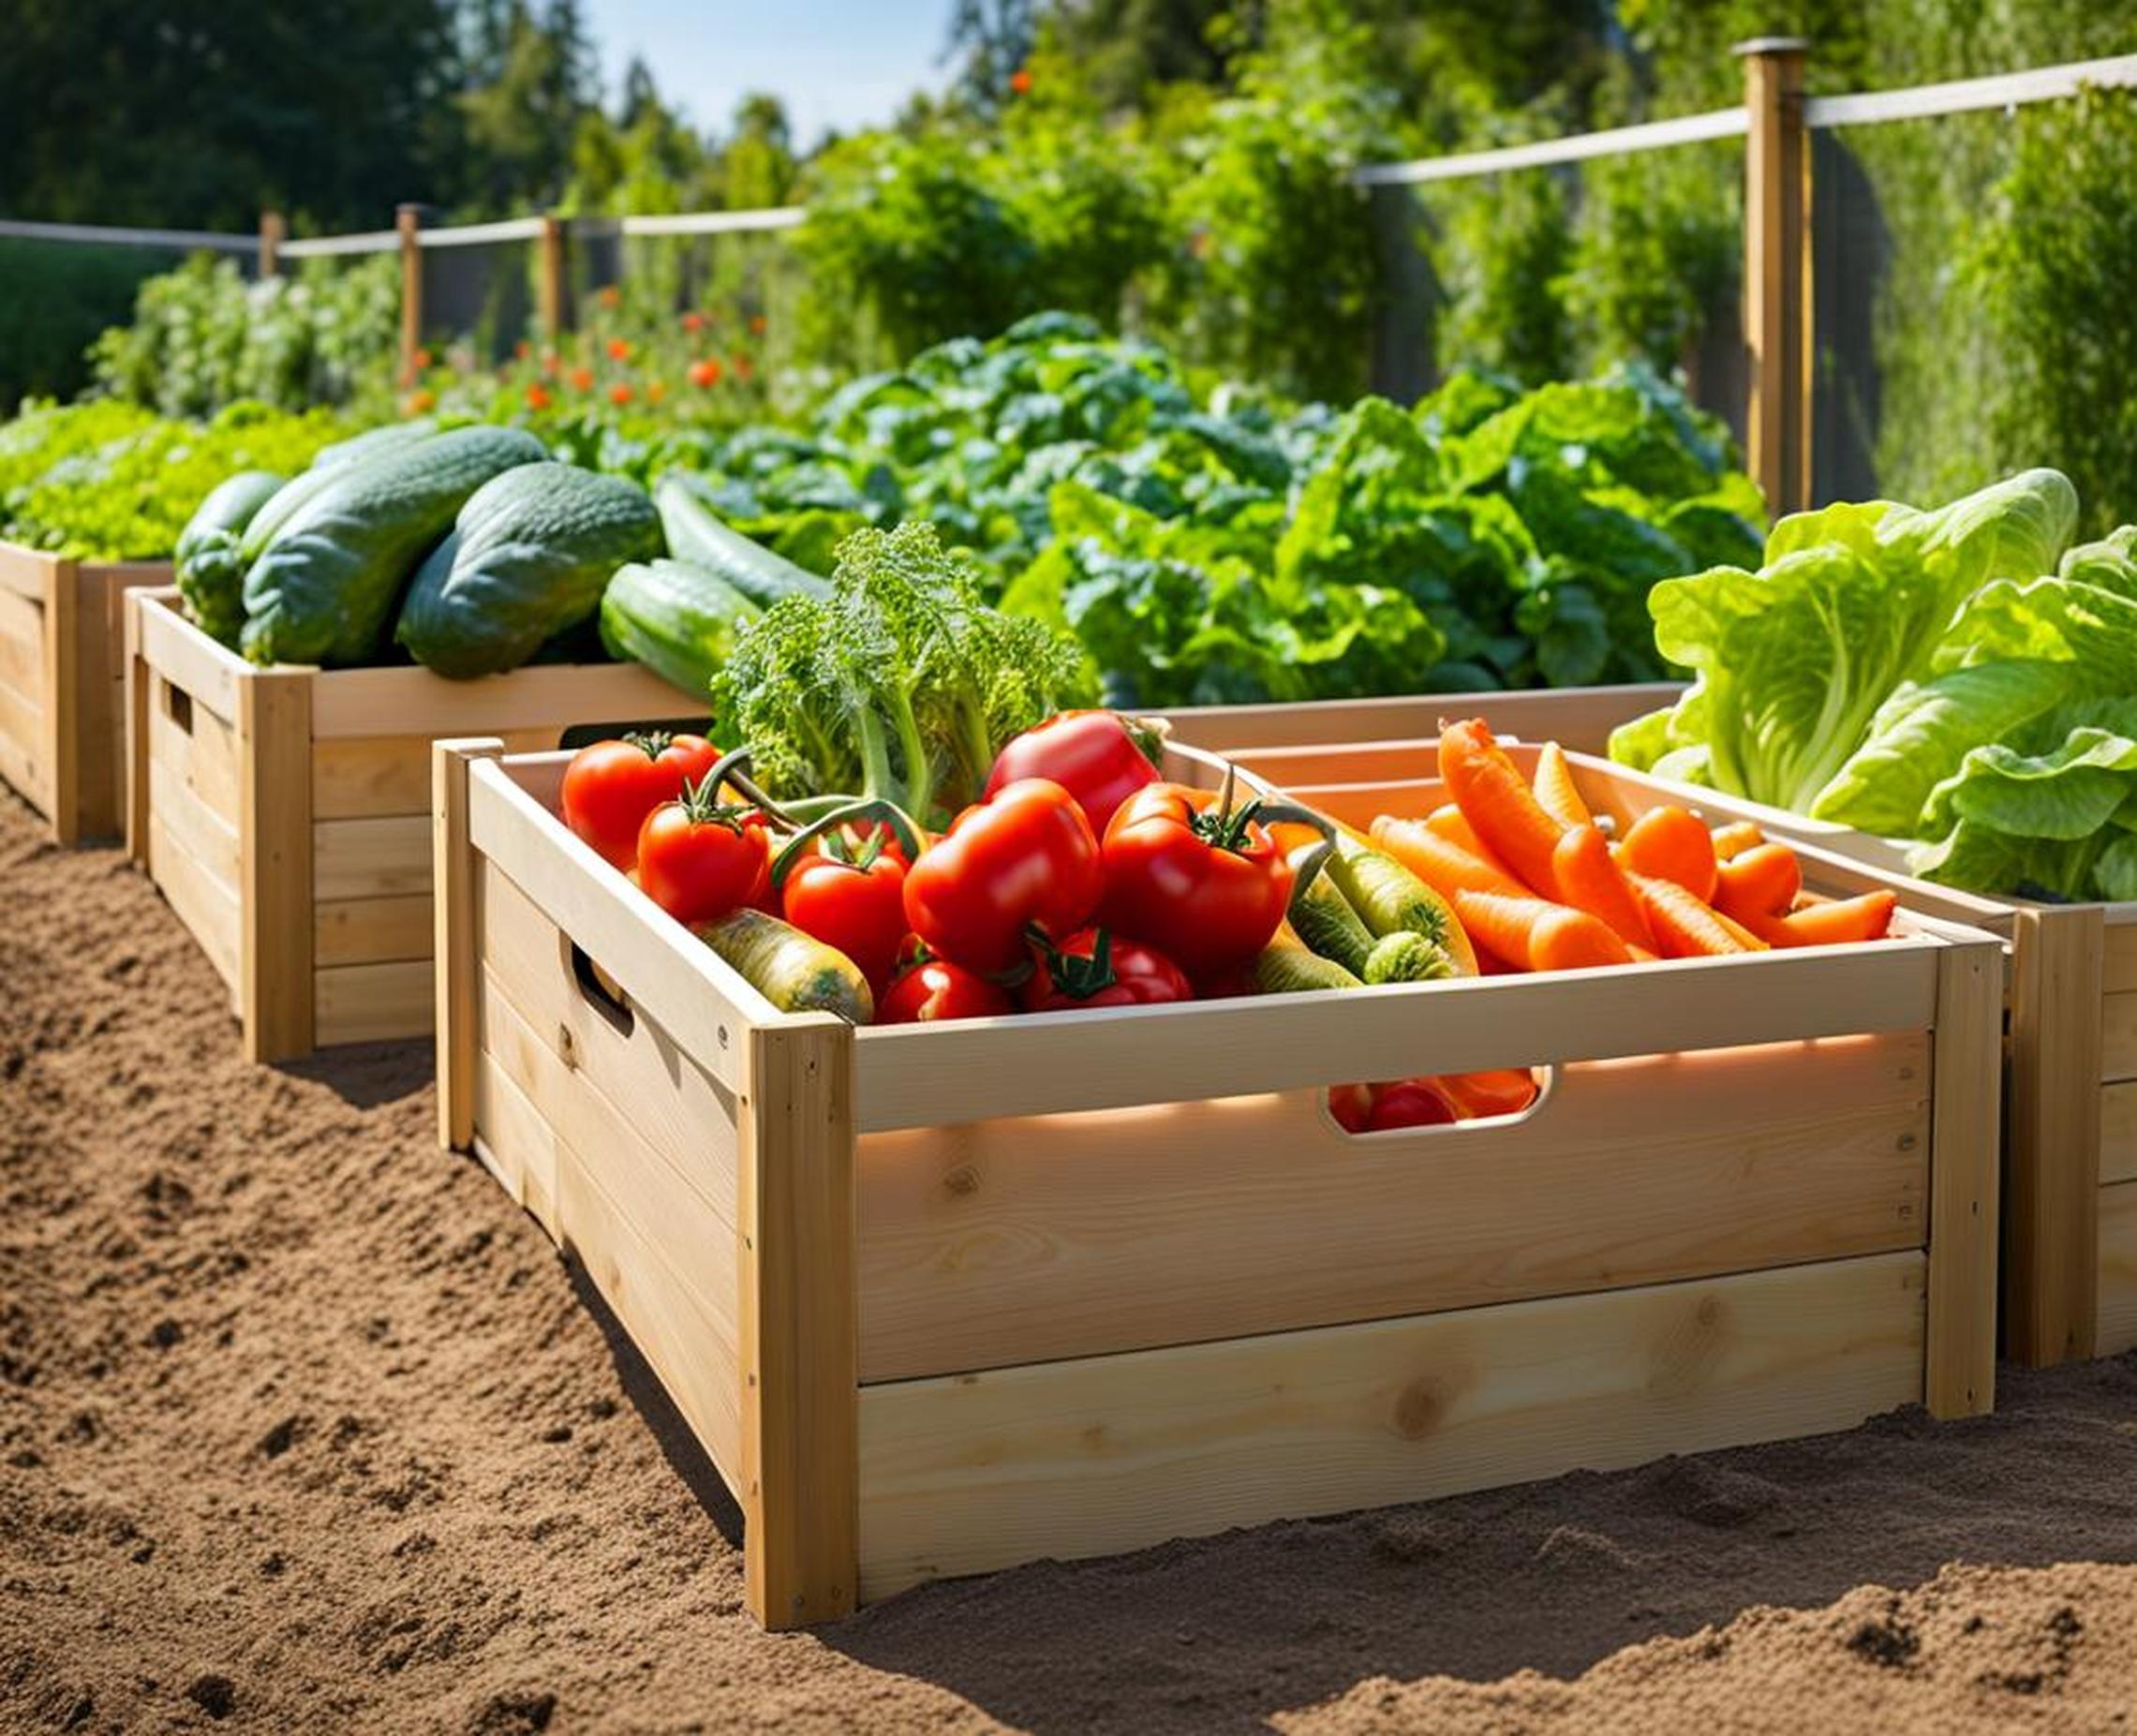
(2111, 563)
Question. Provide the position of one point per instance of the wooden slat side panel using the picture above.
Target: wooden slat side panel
(2118, 957)
(542, 697)
(22, 644)
(1965, 1201)
(2116, 1329)
(278, 995)
(202, 753)
(371, 930)
(372, 1002)
(204, 834)
(1580, 717)
(377, 858)
(191, 661)
(2118, 1132)
(207, 906)
(99, 714)
(516, 1144)
(26, 760)
(1019, 1240)
(2118, 1036)
(368, 777)
(1115, 1453)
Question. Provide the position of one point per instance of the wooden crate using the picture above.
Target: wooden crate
(285, 813)
(2070, 1210)
(63, 686)
(941, 1299)
(1274, 738)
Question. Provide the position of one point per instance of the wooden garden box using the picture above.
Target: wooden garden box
(1578, 717)
(936, 1300)
(285, 813)
(63, 686)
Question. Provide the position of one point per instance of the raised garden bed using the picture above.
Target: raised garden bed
(937, 1299)
(285, 814)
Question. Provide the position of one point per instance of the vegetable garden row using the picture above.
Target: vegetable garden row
(1029, 1081)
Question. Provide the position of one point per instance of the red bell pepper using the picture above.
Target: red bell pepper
(1024, 858)
(1098, 757)
(1187, 871)
(1097, 969)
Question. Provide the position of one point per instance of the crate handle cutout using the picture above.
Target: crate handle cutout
(177, 706)
(600, 993)
(1547, 1081)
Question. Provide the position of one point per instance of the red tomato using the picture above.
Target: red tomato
(1351, 1105)
(857, 907)
(1210, 887)
(1097, 969)
(935, 989)
(611, 786)
(1095, 756)
(700, 861)
(1410, 1103)
(1025, 857)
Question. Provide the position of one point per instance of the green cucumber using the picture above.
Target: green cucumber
(696, 534)
(210, 575)
(1326, 922)
(1406, 957)
(328, 468)
(1285, 968)
(677, 619)
(1386, 895)
(795, 972)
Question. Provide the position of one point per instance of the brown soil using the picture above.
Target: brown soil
(303, 1426)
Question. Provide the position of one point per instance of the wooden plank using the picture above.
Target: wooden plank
(62, 698)
(2117, 1329)
(193, 662)
(1966, 1134)
(199, 830)
(2118, 1036)
(140, 683)
(1021, 1240)
(676, 1106)
(1579, 718)
(2119, 963)
(21, 643)
(2118, 1132)
(1112, 1453)
(276, 993)
(379, 858)
(202, 754)
(516, 1144)
(1776, 275)
(800, 1475)
(705, 1006)
(365, 777)
(23, 571)
(372, 930)
(24, 749)
(974, 1070)
(100, 719)
(2052, 1137)
(455, 934)
(541, 698)
(373, 1002)
(207, 906)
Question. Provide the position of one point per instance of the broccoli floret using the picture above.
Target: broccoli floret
(902, 684)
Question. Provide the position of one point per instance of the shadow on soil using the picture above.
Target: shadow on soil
(1221, 1633)
(366, 1075)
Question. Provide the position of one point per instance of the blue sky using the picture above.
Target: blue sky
(834, 63)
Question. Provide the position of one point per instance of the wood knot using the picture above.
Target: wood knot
(567, 1047)
(1420, 1407)
(963, 1179)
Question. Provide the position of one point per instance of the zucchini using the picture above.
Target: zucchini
(325, 589)
(1326, 922)
(696, 534)
(1285, 967)
(529, 557)
(1386, 895)
(327, 470)
(795, 972)
(210, 575)
(677, 618)
(1406, 957)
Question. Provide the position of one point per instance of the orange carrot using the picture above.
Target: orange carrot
(1497, 801)
(1554, 791)
(1452, 823)
(1733, 839)
(1763, 881)
(1440, 863)
(1832, 922)
(1503, 1091)
(1533, 934)
(1589, 880)
(1671, 844)
(1740, 934)
(1686, 927)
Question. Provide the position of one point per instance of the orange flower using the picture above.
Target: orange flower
(583, 378)
(418, 403)
(1020, 82)
(705, 372)
(538, 396)
(611, 296)
(743, 367)
(656, 389)
(757, 324)
(549, 363)
(693, 321)
(618, 350)
(422, 358)
(619, 392)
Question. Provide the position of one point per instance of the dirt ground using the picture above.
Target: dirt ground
(303, 1426)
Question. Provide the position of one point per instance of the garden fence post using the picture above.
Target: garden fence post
(272, 232)
(408, 220)
(550, 301)
(1776, 269)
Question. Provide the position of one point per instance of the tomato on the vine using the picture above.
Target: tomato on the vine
(611, 786)
(700, 860)
(1187, 871)
(855, 904)
(1094, 968)
(937, 989)
(1098, 757)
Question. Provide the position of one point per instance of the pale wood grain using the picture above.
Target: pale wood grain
(2118, 1132)
(373, 1002)
(2119, 966)
(364, 777)
(203, 833)
(1580, 718)
(1964, 1133)
(274, 833)
(386, 857)
(551, 697)
(457, 932)
(2118, 1036)
(202, 754)
(1111, 1453)
(187, 658)
(372, 930)
(206, 905)
(2117, 1329)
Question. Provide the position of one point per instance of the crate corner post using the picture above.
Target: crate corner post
(800, 1331)
(62, 678)
(276, 991)
(455, 939)
(139, 681)
(1965, 1085)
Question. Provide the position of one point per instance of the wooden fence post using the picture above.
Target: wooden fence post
(550, 299)
(408, 220)
(272, 230)
(1776, 270)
